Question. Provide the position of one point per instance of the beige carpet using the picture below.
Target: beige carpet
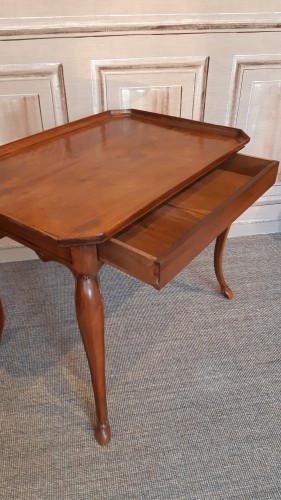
(194, 384)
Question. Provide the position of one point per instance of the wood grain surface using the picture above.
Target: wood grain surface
(85, 181)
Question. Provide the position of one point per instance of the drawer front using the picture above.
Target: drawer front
(161, 244)
(130, 260)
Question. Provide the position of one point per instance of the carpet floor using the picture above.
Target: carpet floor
(194, 384)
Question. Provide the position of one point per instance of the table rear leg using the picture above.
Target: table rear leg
(218, 256)
(90, 316)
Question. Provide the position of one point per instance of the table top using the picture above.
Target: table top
(86, 180)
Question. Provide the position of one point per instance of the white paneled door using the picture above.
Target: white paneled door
(173, 86)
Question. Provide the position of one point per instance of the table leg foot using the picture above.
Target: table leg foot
(218, 255)
(103, 433)
(90, 316)
(227, 292)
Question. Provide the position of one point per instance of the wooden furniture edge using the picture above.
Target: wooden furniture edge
(234, 132)
(150, 267)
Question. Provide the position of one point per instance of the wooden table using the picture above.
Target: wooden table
(142, 192)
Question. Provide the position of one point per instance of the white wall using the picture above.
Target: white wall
(18, 8)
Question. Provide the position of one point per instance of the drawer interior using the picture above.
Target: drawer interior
(157, 237)
(160, 229)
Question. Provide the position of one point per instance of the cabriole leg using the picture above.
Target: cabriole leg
(218, 256)
(90, 317)
(89, 309)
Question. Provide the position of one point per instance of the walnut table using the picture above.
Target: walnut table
(142, 192)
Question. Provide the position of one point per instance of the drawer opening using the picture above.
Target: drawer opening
(209, 192)
(245, 165)
(160, 244)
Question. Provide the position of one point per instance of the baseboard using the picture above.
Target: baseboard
(16, 253)
(251, 228)
(261, 218)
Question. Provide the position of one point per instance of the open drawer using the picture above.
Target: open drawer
(160, 244)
